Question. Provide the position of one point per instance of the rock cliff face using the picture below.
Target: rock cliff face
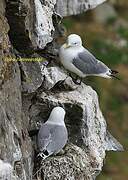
(71, 7)
(29, 90)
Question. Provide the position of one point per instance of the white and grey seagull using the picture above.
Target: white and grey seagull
(80, 61)
(53, 135)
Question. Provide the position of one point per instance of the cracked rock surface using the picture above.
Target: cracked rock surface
(86, 125)
(28, 92)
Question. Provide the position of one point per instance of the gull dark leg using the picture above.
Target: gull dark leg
(80, 80)
(75, 80)
(71, 75)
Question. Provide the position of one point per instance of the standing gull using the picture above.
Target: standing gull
(80, 61)
(53, 136)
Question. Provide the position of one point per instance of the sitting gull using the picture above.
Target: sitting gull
(80, 61)
(53, 136)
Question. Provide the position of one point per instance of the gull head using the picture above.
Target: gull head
(57, 115)
(73, 40)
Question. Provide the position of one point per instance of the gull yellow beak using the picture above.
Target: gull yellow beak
(66, 45)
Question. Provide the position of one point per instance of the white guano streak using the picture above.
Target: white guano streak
(43, 25)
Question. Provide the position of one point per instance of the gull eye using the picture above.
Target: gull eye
(75, 43)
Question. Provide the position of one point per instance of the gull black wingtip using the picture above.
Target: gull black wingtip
(114, 72)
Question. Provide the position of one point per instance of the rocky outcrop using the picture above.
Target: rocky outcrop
(86, 127)
(71, 7)
(31, 22)
(29, 91)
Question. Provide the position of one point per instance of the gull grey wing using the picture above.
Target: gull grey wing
(88, 64)
(58, 138)
(44, 137)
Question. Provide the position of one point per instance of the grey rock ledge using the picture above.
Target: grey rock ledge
(86, 126)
